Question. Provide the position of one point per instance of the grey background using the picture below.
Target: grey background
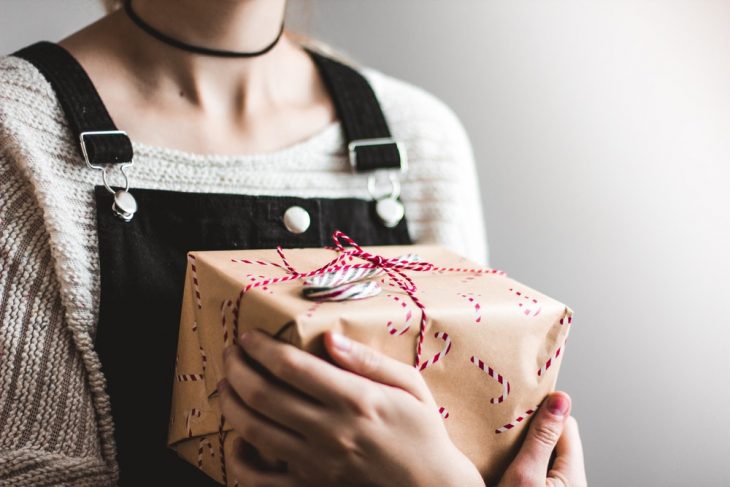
(600, 130)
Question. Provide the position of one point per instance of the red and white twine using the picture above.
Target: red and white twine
(221, 444)
(225, 305)
(394, 268)
(196, 285)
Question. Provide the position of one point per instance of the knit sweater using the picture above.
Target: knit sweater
(55, 422)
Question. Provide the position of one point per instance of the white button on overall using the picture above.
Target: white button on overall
(296, 219)
(390, 211)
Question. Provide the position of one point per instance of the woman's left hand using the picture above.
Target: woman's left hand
(371, 421)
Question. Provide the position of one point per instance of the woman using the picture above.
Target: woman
(238, 137)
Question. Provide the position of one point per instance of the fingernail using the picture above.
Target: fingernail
(243, 338)
(221, 385)
(558, 404)
(341, 342)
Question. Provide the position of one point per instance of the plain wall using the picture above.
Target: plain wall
(602, 134)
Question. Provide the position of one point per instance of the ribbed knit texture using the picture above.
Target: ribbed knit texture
(55, 423)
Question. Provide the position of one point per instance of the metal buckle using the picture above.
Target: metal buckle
(394, 187)
(353, 145)
(82, 141)
(103, 169)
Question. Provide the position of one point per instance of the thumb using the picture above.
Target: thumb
(531, 462)
(368, 362)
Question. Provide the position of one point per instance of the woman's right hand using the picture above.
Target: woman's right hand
(551, 430)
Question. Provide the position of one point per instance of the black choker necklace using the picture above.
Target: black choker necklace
(189, 47)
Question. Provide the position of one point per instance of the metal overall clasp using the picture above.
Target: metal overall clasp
(387, 205)
(124, 205)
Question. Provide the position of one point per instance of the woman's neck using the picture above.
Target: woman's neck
(169, 96)
(209, 81)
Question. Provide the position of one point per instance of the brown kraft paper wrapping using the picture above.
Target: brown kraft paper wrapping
(500, 344)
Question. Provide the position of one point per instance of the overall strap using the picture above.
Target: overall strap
(370, 145)
(369, 142)
(100, 141)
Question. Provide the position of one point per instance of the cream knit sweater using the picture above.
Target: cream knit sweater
(55, 423)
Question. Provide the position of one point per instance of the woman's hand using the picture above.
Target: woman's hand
(371, 421)
(552, 429)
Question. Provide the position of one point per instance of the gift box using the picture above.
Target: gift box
(490, 346)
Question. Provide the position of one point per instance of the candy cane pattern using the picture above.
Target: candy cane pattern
(471, 297)
(516, 421)
(439, 355)
(444, 412)
(188, 377)
(549, 362)
(389, 325)
(203, 359)
(193, 413)
(566, 320)
(506, 388)
(529, 307)
(203, 443)
(196, 286)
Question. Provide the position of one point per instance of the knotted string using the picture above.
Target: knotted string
(394, 268)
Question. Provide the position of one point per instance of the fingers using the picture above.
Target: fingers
(569, 466)
(243, 470)
(531, 463)
(266, 436)
(273, 400)
(374, 365)
(301, 370)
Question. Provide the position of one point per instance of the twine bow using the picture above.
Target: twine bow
(395, 268)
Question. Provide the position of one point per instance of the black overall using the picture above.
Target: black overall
(143, 261)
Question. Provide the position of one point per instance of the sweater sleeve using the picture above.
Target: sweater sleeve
(48, 429)
(451, 214)
(469, 215)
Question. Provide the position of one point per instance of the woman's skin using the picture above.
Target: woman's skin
(164, 96)
(370, 420)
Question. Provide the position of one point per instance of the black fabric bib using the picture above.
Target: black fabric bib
(143, 261)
